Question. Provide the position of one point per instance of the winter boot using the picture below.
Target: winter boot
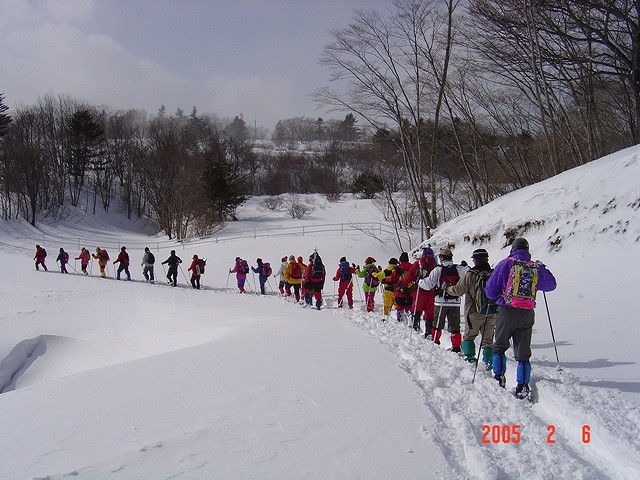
(428, 327)
(456, 340)
(318, 303)
(522, 391)
(436, 336)
(416, 321)
(499, 368)
(487, 357)
(469, 350)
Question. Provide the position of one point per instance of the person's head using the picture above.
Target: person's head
(283, 259)
(393, 261)
(427, 251)
(173, 252)
(123, 249)
(146, 249)
(480, 256)
(37, 246)
(195, 257)
(83, 249)
(445, 254)
(237, 259)
(300, 258)
(97, 249)
(61, 249)
(369, 260)
(520, 244)
(258, 260)
(343, 259)
(292, 258)
(404, 257)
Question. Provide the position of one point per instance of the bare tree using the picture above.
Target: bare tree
(392, 70)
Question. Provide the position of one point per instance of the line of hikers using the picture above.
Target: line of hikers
(499, 303)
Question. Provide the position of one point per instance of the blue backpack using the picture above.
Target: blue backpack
(345, 272)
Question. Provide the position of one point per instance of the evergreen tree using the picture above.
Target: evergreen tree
(238, 130)
(86, 135)
(348, 130)
(224, 181)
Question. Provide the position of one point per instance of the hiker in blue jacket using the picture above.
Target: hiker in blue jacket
(263, 269)
(513, 285)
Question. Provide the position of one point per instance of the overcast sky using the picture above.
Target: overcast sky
(258, 58)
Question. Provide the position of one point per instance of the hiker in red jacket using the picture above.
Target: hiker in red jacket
(123, 260)
(344, 274)
(85, 258)
(194, 268)
(39, 257)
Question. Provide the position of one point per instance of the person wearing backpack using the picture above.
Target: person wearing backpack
(102, 256)
(479, 311)
(241, 269)
(447, 307)
(370, 283)
(263, 269)
(194, 268)
(404, 286)
(172, 274)
(423, 302)
(514, 284)
(85, 258)
(63, 259)
(389, 287)
(148, 260)
(293, 275)
(344, 275)
(39, 257)
(314, 277)
(123, 260)
(282, 283)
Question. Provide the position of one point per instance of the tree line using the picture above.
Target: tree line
(505, 92)
(461, 102)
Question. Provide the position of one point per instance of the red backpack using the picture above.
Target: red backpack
(295, 271)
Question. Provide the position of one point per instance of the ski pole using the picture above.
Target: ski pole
(553, 337)
(184, 275)
(484, 327)
(359, 290)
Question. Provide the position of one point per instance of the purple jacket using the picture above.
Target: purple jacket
(237, 269)
(498, 280)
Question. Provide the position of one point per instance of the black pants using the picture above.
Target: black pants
(172, 275)
(195, 281)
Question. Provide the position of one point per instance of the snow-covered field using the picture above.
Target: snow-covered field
(126, 380)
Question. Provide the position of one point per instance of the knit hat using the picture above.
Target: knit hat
(445, 252)
(343, 259)
(480, 253)
(195, 256)
(123, 248)
(520, 244)
(258, 260)
(393, 261)
(146, 249)
(283, 259)
(404, 257)
(369, 260)
(291, 258)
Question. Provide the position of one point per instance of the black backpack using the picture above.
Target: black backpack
(317, 268)
(150, 258)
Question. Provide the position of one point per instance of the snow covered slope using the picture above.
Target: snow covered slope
(105, 379)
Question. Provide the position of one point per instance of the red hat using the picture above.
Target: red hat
(370, 260)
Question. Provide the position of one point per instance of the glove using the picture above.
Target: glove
(438, 291)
